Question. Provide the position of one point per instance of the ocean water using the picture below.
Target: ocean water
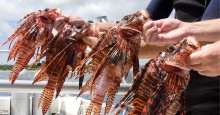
(29, 75)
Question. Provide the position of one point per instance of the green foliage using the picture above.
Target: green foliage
(9, 67)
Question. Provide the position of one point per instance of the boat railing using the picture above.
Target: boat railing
(21, 103)
(22, 97)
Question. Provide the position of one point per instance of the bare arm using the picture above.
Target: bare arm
(205, 30)
(168, 31)
(149, 51)
(104, 26)
(146, 51)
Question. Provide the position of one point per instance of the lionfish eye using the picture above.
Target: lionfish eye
(184, 41)
(47, 9)
(171, 48)
(126, 17)
(78, 26)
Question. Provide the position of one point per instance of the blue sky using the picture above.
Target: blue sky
(13, 10)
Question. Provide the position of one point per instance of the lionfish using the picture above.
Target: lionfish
(64, 53)
(32, 35)
(158, 89)
(111, 59)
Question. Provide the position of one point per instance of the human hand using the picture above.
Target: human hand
(72, 20)
(151, 31)
(165, 31)
(207, 60)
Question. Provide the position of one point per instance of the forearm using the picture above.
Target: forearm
(149, 51)
(205, 30)
(103, 26)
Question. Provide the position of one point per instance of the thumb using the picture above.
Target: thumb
(195, 58)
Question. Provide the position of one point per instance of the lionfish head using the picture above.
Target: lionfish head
(133, 24)
(49, 15)
(176, 55)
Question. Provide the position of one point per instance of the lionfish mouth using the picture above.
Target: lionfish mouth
(45, 19)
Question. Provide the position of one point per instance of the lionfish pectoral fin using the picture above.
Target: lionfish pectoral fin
(47, 99)
(180, 67)
(179, 64)
(93, 54)
(110, 100)
(61, 81)
(61, 53)
(129, 28)
(106, 60)
(39, 76)
(85, 87)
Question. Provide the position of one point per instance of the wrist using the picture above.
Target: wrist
(189, 31)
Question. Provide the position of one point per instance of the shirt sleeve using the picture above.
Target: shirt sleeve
(159, 9)
(212, 11)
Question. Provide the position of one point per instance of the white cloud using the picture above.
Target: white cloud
(14, 10)
(5, 31)
(5, 28)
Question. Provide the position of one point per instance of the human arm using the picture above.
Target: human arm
(101, 27)
(205, 30)
(149, 51)
(145, 51)
(168, 31)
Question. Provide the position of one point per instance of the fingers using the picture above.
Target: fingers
(195, 58)
(149, 29)
(147, 26)
(60, 22)
(163, 32)
(201, 62)
(151, 32)
(174, 35)
(159, 23)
